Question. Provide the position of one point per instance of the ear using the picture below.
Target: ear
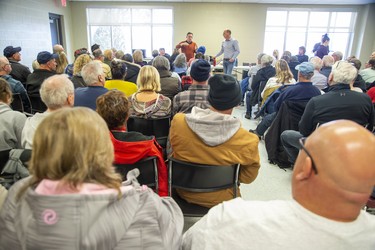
(330, 79)
(306, 170)
(70, 100)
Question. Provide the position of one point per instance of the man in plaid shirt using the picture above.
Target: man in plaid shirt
(197, 94)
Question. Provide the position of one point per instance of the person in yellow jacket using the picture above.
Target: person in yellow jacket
(213, 136)
(118, 68)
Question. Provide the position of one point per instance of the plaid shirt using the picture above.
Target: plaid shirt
(196, 95)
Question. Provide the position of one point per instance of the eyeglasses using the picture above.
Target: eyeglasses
(302, 144)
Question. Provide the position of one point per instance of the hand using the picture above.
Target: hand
(231, 60)
(184, 44)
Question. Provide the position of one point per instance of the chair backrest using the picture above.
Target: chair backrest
(157, 127)
(37, 105)
(148, 171)
(202, 178)
(4, 157)
(17, 104)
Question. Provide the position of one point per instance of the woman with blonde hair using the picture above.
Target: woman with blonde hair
(77, 79)
(74, 199)
(147, 102)
(62, 62)
(283, 76)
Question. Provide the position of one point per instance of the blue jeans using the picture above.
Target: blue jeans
(244, 85)
(228, 67)
(290, 141)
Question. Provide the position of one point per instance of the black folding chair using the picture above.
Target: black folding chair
(37, 105)
(17, 104)
(158, 127)
(200, 178)
(148, 171)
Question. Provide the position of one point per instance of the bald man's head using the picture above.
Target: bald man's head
(343, 154)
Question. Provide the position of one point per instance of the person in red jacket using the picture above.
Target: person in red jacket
(129, 147)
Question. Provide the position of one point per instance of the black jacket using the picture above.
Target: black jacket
(19, 71)
(35, 80)
(259, 82)
(287, 119)
(338, 103)
(132, 72)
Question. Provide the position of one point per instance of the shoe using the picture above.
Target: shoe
(255, 132)
(248, 116)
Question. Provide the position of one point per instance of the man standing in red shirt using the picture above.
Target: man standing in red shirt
(188, 46)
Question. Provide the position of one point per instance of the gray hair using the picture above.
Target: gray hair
(97, 53)
(259, 56)
(55, 91)
(161, 63)
(343, 72)
(180, 61)
(90, 72)
(317, 62)
(338, 54)
(266, 60)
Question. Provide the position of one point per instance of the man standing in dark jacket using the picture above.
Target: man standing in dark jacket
(339, 103)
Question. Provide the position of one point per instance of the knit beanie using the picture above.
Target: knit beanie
(225, 92)
(200, 70)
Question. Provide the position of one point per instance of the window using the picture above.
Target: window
(131, 28)
(290, 29)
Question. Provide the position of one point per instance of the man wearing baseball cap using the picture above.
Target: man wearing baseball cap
(302, 91)
(19, 71)
(214, 137)
(47, 62)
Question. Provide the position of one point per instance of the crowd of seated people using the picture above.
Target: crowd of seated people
(202, 131)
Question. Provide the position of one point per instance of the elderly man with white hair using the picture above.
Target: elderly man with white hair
(340, 102)
(337, 56)
(319, 80)
(56, 92)
(93, 75)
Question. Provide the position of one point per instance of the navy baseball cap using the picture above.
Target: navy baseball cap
(305, 68)
(45, 56)
(10, 51)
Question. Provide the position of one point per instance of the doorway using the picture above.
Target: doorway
(56, 29)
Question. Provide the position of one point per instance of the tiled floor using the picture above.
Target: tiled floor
(272, 182)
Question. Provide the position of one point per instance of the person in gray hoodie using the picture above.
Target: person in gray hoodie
(12, 122)
(75, 200)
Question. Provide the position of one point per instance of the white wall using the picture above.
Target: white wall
(25, 23)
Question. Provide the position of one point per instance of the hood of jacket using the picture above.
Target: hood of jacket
(211, 127)
(4, 108)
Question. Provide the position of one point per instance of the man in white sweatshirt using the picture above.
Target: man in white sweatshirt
(332, 180)
(56, 92)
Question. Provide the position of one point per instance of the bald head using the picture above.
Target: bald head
(343, 153)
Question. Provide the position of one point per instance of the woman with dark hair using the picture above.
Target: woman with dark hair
(119, 69)
(301, 55)
(323, 48)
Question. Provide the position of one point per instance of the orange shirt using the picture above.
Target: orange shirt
(188, 50)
